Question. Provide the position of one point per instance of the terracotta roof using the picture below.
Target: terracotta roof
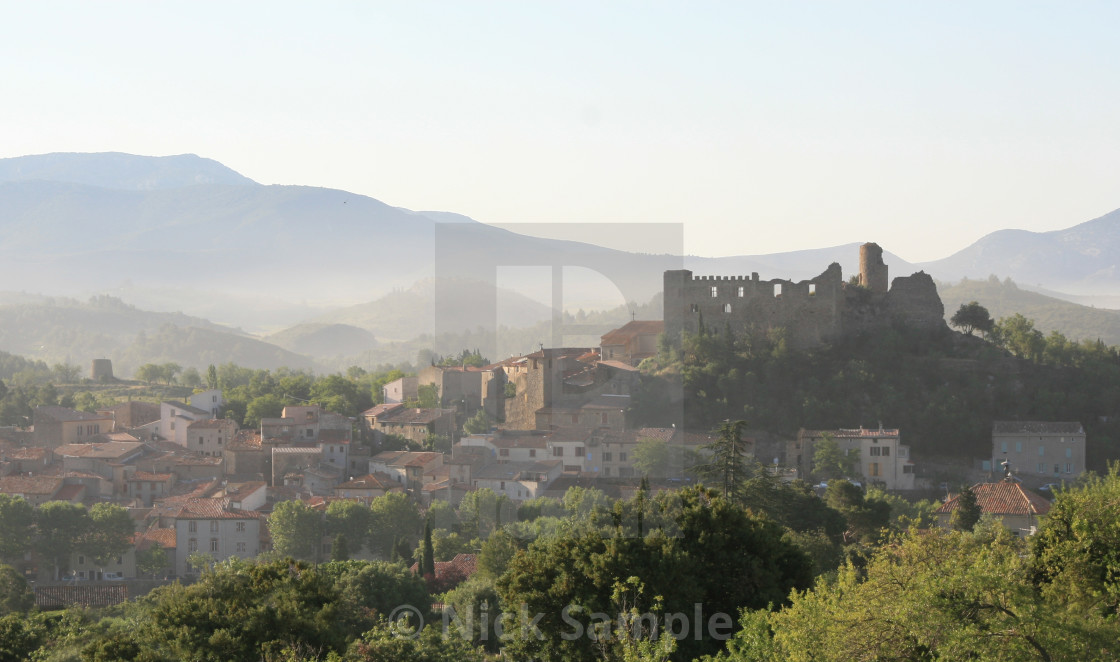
(30, 484)
(1036, 427)
(378, 410)
(211, 509)
(567, 433)
(660, 434)
(853, 433)
(212, 423)
(109, 450)
(164, 537)
(94, 595)
(418, 459)
(1002, 498)
(245, 440)
(69, 492)
(30, 453)
(631, 330)
(367, 482)
(463, 565)
(416, 416)
(144, 475)
(619, 365)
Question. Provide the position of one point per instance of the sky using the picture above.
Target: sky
(761, 127)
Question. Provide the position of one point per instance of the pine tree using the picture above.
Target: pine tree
(428, 562)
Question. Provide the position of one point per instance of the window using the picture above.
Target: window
(309, 432)
(192, 527)
(81, 560)
(240, 548)
(1018, 447)
(504, 452)
(622, 457)
(901, 452)
(579, 451)
(503, 485)
(606, 471)
(219, 441)
(241, 527)
(575, 418)
(1069, 468)
(907, 468)
(199, 440)
(213, 544)
(742, 291)
(213, 526)
(625, 471)
(1003, 446)
(80, 430)
(120, 560)
(532, 452)
(213, 398)
(777, 289)
(192, 545)
(603, 419)
(874, 468)
(1041, 451)
(694, 308)
(886, 451)
(1069, 452)
(812, 289)
(607, 457)
(558, 451)
(874, 451)
(1041, 469)
(727, 308)
(715, 291)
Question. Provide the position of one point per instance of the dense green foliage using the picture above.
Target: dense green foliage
(943, 389)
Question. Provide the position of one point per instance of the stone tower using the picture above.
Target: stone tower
(872, 270)
(101, 370)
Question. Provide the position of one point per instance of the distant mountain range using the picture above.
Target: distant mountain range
(324, 270)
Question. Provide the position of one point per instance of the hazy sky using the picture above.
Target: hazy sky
(763, 127)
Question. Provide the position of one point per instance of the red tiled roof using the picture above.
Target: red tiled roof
(463, 565)
(367, 482)
(631, 330)
(164, 537)
(1002, 498)
(30, 484)
(660, 434)
(378, 410)
(211, 509)
(245, 440)
(65, 414)
(61, 597)
(144, 475)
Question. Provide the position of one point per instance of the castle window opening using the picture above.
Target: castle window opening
(715, 291)
(742, 291)
(812, 289)
(777, 289)
(727, 308)
(694, 308)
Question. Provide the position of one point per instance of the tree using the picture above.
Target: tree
(15, 595)
(428, 395)
(395, 520)
(658, 459)
(971, 317)
(350, 518)
(829, 461)
(340, 547)
(109, 534)
(191, 378)
(369, 590)
(66, 373)
(934, 595)
(428, 563)
(727, 468)
(151, 560)
(482, 511)
(402, 643)
(968, 513)
(62, 526)
(211, 377)
(478, 423)
(296, 529)
(1076, 552)
(16, 520)
(149, 372)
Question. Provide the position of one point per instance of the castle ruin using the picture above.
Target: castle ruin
(812, 312)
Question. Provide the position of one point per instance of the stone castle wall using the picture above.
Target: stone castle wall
(812, 312)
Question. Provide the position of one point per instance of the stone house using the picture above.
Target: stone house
(55, 426)
(880, 457)
(211, 527)
(631, 343)
(175, 417)
(407, 467)
(400, 390)
(36, 490)
(520, 481)
(211, 436)
(1038, 450)
(417, 424)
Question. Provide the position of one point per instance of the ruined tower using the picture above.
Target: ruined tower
(101, 370)
(872, 270)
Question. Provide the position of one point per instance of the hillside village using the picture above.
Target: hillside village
(196, 483)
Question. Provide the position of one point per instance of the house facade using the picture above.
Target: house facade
(880, 457)
(1038, 449)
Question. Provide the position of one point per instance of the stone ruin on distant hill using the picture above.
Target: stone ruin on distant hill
(812, 312)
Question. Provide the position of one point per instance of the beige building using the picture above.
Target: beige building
(881, 459)
(210, 526)
(55, 426)
(1038, 449)
(632, 342)
(210, 437)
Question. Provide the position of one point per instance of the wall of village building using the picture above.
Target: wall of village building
(220, 538)
(400, 390)
(55, 426)
(880, 457)
(210, 401)
(85, 567)
(210, 437)
(176, 417)
(1039, 450)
